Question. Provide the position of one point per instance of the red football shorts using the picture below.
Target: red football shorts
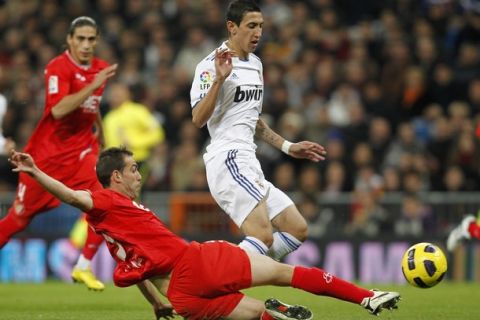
(32, 198)
(205, 283)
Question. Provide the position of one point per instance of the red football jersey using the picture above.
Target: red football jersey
(66, 140)
(140, 243)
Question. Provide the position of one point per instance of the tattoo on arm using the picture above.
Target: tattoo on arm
(265, 133)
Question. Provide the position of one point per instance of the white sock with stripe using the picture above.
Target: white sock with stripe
(253, 244)
(283, 244)
(83, 263)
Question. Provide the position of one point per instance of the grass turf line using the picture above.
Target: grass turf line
(56, 300)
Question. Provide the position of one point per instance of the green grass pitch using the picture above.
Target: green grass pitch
(56, 300)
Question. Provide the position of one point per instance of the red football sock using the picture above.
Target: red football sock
(10, 225)
(319, 282)
(474, 230)
(266, 316)
(91, 244)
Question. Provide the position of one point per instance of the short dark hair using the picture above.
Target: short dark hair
(110, 160)
(81, 22)
(238, 8)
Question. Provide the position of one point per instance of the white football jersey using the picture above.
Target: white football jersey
(239, 104)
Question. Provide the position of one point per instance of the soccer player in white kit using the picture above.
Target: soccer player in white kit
(227, 94)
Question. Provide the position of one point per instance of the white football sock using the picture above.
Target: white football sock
(253, 244)
(82, 263)
(283, 244)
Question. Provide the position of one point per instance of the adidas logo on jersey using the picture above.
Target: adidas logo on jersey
(234, 77)
(247, 95)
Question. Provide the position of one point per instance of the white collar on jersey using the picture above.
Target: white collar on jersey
(82, 66)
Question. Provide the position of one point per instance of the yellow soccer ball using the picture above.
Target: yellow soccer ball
(424, 265)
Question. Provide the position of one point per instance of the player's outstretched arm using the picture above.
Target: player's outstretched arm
(23, 162)
(301, 150)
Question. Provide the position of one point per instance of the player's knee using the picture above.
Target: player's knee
(299, 231)
(15, 221)
(256, 311)
(266, 238)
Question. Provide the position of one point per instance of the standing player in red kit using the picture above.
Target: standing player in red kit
(201, 280)
(65, 142)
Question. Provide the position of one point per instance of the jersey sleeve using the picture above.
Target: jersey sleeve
(102, 202)
(202, 81)
(57, 84)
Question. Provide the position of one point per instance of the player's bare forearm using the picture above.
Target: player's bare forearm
(265, 133)
(300, 150)
(204, 109)
(71, 102)
(23, 162)
(150, 292)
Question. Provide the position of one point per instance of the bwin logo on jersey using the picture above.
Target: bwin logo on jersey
(247, 95)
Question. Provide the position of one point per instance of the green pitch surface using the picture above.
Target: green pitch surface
(55, 300)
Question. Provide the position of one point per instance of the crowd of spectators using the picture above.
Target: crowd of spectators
(391, 88)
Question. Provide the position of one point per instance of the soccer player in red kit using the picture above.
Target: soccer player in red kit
(200, 280)
(65, 143)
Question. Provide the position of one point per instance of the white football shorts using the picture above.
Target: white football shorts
(237, 183)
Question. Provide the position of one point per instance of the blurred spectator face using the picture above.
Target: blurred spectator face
(422, 28)
(398, 51)
(309, 208)
(355, 73)
(443, 74)
(284, 176)
(442, 129)
(406, 133)
(358, 51)
(309, 181)
(411, 208)
(291, 125)
(412, 182)
(362, 155)
(335, 175)
(432, 112)
(426, 50)
(474, 92)
(379, 130)
(468, 55)
(335, 149)
(459, 115)
(391, 179)
(82, 44)
(454, 179)
(414, 78)
(119, 93)
(406, 161)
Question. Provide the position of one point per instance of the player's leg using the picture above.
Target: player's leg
(272, 309)
(291, 227)
(85, 178)
(468, 228)
(257, 230)
(10, 225)
(236, 183)
(266, 271)
(247, 308)
(82, 272)
(30, 199)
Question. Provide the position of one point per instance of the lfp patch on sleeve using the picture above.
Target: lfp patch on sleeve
(53, 84)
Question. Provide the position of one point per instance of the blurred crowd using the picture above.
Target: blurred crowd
(391, 88)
